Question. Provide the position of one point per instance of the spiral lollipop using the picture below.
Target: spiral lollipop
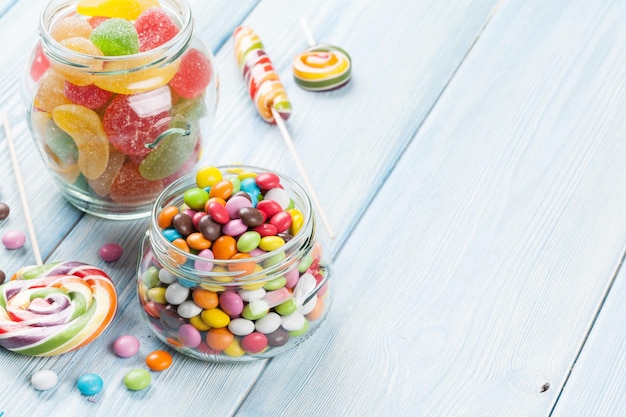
(55, 308)
(51, 309)
(322, 67)
(269, 97)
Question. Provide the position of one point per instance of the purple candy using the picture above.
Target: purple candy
(189, 335)
(111, 252)
(126, 346)
(13, 239)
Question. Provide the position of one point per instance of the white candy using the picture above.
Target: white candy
(308, 306)
(241, 327)
(280, 196)
(305, 286)
(176, 293)
(293, 322)
(249, 295)
(268, 323)
(166, 277)
(188, 309)
(44, 379)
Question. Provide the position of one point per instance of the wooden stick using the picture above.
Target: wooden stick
(20, 187)
(307, 33)
(285, 134)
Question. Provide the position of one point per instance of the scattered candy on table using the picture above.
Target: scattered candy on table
(111, 252)
(137, 379)
(44, 379)
(126, 346)
(55, 308)
(3, 276)
(13, 239)
(90, 384)
(159, 360)
(4, 211)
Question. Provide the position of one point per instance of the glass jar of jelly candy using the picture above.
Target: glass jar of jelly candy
(120, 97)
(230, 269)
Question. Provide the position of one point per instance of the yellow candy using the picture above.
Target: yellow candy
(199, 324)
(50, 92)
(125, 9)
(85, 127)
(123, 77)
(76, 75)
(215, 317)
(102, 184)
(157, 294)
(71, 27)
(234, 350)
(297, 221)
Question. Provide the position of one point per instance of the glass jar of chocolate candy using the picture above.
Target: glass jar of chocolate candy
(120, 96)
(230, 269)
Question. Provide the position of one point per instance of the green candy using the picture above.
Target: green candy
(275, 284)
(169, 156)
(137, 379)
(196, 198)
(115, 37)
(61, 144)
(248, 241)
(151, 277)
(286, 307)
(300, 331)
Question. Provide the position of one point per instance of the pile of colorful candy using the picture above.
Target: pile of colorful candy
(232, 270)
(116, 107)
(55, 308)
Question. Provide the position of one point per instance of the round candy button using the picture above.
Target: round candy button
(159, 360)
(4, 211)
(89, 384)
(44, 379)
(111, 252)
(13, 239)
(126, 346)
(137, 379)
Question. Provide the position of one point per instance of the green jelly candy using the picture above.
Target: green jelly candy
(137, 379)
(115, 37)
(61, 144)
(169, 156)
(190, 109)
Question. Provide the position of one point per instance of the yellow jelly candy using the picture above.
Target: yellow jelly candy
(125, 9)
(70, 27)
(50, 91)
(85, 127)
(102, 185)
(132, 76)
(74, 73)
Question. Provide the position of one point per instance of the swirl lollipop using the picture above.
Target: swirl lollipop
(322, 67)
(51, 309)
(269, 97)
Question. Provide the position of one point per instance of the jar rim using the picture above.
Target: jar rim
(169, 50)
(299, 243)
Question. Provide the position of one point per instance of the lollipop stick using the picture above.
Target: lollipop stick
(285, 134)
(20, 187)
(307, 33)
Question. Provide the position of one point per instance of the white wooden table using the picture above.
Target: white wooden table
(474, 170)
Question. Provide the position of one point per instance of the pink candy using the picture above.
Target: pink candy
(111, 252)
(13, 239)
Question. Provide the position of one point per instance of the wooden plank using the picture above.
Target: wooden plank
(473, 278)
(596, 386)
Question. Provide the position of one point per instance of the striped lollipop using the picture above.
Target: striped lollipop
(321, 67)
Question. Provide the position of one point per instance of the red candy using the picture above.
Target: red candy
(129, 132)
(193, 76)
(130, 188)
(282, 221)
(267, 181)
(266, 229)
(40, 63)
(255, 342)
(218, 212)
(154, 27)
(269, 207)
(90, 96)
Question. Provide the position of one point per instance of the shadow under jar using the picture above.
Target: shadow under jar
(260, 286)
(119, 102)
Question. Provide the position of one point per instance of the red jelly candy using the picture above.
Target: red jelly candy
(154, 27)
(40, 63)
(193, 76)
(127, 131)
(130, 188)
(90, 96)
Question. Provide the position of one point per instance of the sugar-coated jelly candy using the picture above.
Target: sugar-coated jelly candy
(90, 95)
(72, 73)
(85, 127)
(61, 144)
(125, 9)
(70, 27)
(50, 91)
(39, 63)
(115, 37)
(170, 154)
(102, 184)
(154, 27)
(193, 76)
(127, 130)
(130, 188)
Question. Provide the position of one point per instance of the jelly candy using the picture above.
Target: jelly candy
(90, 96)
(193, 76)
(125, 9)
(129, 132)
(130, 188)
(116, 37)
(169, 156)
(95, 21)
(61, 144)
(154, 28)
(39, 64)
(70, 27)
(132, 76)
(192, 109)
(102, 184)
(85, 127)
(50, 91)
(79, 76)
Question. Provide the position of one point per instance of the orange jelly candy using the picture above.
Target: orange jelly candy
(125, 9)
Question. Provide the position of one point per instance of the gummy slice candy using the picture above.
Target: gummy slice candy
(132, 76)
(192, 109)
(169, 156)
(125, 9)
(39, 64)
(130, 188)
(50, 91)
(75, 75)
(90, 96)
(129, 132)
(193, 76)
(70, 27)
(61, 144)
(102, 185)
(187, 167)
(115, 37)
(154, 28)
(85, 127)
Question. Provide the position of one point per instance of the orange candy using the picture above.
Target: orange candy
(224, 247)
(159, 360)
(245, 268)
(164, 220)
(222, 189)
(197, 241)
(205, 299)
(317, 311)
(219, 338)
